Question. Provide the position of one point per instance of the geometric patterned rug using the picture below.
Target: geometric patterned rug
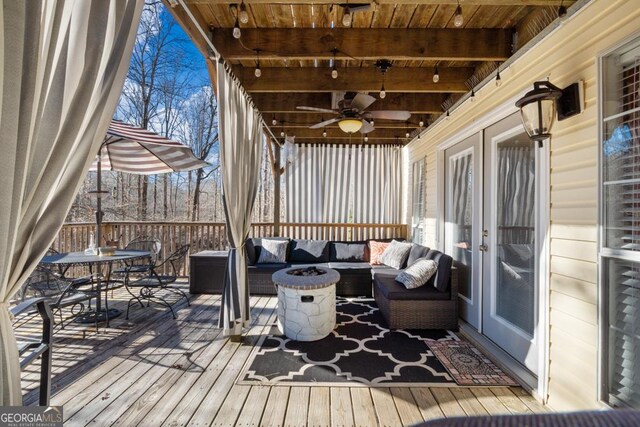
(361, 350)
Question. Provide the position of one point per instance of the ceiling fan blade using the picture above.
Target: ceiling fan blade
(362, 101)
(324, 124)
(320, 110)
(389, 115)
(366, 127)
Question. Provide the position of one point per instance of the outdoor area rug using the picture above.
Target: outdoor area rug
(468, 365)
(360, 351)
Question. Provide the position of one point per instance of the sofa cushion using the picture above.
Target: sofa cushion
(396, 254)
(392, 290)
(253, 247)
(348, 251)
(309, 251)
(441, 279)
(417, 274)
(313, 264)
(417, 252)
(350, 265)
(273, 251)
(270, 266)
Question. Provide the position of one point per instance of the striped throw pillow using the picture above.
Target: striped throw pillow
(396, 254)
(418, 274)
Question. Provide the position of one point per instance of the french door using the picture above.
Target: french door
(490, 231)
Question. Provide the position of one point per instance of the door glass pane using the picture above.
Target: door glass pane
(460, 218)
(515, 254)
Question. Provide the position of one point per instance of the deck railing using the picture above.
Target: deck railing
(213, 236)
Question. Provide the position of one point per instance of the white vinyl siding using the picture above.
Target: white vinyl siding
(569, 54)
(620, 217)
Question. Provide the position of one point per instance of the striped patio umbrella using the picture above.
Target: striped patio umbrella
(136, 150)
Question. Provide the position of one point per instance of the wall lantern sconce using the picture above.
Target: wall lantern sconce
(538, 107)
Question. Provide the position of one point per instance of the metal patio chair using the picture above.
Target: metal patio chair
(157, 279)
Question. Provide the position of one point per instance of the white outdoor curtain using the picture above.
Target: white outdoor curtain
(241, 139)
(62, 68)
(317, 183)
(377, 184)
(517, 167)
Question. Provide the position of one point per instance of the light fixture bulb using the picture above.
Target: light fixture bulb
(324, 133)
(346, 18)
(334, 72)
(243, 15)
(258, 71)
(436, 76)
(383, 93)
(236, 30)
(458, 19)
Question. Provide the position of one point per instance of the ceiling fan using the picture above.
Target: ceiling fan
(352, 114)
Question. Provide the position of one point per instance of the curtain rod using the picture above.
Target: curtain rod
(220, 59)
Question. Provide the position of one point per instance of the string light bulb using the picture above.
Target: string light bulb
(473, 94)
(346, 18)
(372, 122)
(274, 121)
(324, 133)
(458, 19)
(421, 123)
(436, 75)
(366, 138)
(258, 71)
(334, 69)
(447, 117)
(282, 133)
(383, 93)
(498, 78)
(244, 16)
(562, 10)
(236, 30)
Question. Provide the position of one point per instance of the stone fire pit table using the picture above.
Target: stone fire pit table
(306, 304)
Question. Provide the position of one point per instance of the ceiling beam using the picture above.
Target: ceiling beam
(336, 133)
(294, 121)
(400, 2)
(368, 79)
(418, 103)
(365, 43)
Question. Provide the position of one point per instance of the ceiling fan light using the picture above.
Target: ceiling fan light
(346, 18)
(350, 125)
(458, 19)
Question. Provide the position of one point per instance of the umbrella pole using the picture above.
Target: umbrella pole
(99, 201)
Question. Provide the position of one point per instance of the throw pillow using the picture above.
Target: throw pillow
(309, 251)
(418, 274)
(396, 254)
(273, 251)
(347, 252)
(375, 250)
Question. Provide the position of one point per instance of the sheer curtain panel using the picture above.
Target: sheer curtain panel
(240, 130)
(63, 67)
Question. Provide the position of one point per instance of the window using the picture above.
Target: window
(418, 200)
(620, 220)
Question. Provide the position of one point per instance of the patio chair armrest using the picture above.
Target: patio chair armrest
(25, 305)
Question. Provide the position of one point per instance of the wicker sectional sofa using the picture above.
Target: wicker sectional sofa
(432, 306)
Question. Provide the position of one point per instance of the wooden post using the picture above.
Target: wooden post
(277, 173)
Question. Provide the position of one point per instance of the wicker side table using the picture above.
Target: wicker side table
(206, 272)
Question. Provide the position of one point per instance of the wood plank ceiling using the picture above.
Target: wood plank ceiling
(297, 41)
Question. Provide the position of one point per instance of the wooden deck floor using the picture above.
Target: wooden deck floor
(152, 370)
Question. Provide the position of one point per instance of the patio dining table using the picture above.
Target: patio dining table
(66, 260)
